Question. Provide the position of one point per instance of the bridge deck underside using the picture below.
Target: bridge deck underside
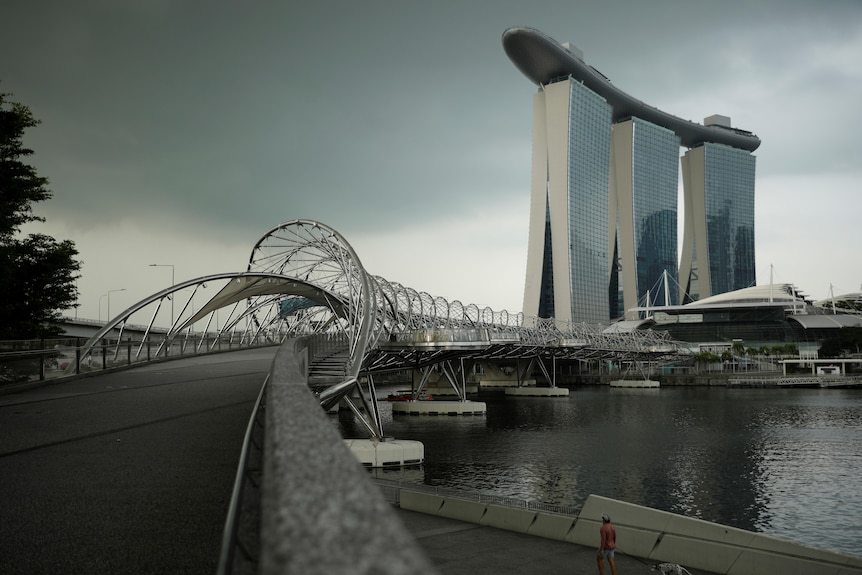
(392, 357)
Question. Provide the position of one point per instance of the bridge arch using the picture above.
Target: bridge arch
(315, 253)
(303, 278)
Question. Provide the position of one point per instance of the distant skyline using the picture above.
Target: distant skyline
(179, 132)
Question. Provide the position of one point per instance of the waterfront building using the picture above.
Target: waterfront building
(847, 303)
(567, 269)
(603, 207)
(770, 315)
(718, 237)
(643, 199)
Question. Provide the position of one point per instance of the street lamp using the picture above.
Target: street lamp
(110, 291)
(173, 283)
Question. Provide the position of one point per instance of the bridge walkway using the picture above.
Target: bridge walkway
(125, 472)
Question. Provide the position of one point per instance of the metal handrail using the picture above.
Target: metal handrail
(230, 535)
(60, 358)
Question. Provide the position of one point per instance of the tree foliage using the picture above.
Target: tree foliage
(37, 272)
(847, 342)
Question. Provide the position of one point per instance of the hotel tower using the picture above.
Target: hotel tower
(603, 201)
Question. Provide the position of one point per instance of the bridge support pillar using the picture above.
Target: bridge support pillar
(437, 407)
(537, 392)
(651, 383)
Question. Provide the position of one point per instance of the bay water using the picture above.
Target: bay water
(785, 462)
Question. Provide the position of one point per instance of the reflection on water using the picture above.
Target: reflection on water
(783, 462)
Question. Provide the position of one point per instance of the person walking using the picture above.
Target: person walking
(608, 544)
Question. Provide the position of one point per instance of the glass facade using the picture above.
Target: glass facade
(755, 326)
(546, 291)
(655, 184)
(729, 202)
(588, 174)
(585, 268)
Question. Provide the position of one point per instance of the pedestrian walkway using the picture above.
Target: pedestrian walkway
(458, 548)
(125, 472)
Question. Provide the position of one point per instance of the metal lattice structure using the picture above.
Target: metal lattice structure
(317, 255)
(305, 280)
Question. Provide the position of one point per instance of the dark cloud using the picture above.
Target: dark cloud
(196, 116)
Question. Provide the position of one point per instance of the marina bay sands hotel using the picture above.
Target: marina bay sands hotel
(603, 207)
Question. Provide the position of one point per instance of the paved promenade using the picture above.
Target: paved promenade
(458, 548)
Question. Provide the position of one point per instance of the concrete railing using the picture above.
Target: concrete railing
(320, 513)
(662, 536)
(523, 520)
(655, 536)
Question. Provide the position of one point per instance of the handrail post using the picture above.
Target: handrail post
(42, 360)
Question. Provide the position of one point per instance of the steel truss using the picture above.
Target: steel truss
(304, 279)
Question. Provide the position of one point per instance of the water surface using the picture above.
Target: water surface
(785, 462)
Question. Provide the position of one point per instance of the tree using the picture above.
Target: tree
(37, 273)
(846, 342)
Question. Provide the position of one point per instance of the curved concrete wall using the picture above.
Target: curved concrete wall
(666, 537)
(650, 534)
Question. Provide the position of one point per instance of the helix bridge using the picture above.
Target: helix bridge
(304, 280)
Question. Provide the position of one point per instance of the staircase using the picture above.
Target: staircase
(328, 369)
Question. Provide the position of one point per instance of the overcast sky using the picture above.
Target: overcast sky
(179, 132)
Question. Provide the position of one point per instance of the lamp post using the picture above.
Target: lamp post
(110, 291)
(173, 282)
